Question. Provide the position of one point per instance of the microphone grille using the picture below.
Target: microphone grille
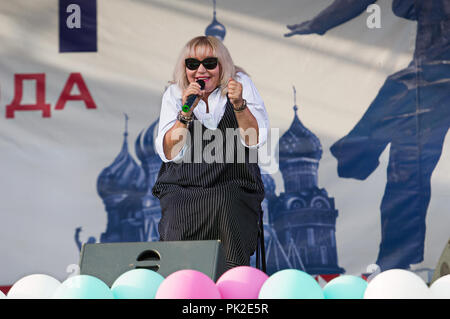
(202, 84)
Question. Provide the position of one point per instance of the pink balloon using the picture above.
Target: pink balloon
(187, 284)
(241, 283)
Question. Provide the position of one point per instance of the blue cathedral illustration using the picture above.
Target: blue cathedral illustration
(299, 224)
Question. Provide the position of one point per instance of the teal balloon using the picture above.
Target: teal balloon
(83, 287)
(137, 284)
(291, 284)
(345, 287)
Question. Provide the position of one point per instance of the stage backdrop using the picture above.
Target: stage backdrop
(357, 94)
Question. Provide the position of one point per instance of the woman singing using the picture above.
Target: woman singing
(205, 192)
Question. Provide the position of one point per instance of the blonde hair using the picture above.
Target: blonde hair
(200, 46)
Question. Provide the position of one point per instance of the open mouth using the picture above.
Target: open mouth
(204, 78)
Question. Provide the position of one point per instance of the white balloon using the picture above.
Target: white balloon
(397, 284)
(35, 286)
(2, 295)
(440, 289)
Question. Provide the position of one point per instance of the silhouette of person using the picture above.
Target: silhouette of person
(412, 113)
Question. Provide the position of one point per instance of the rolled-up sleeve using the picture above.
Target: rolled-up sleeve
(171, 104)
(256, 106)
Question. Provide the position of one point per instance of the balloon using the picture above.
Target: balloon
(2, 295)
(397, 284)
(345, 287)
(241, 283)
(188, 284)
(137, 284)
(440, 289)
(291, 284)
(83, 287)
(36, 286)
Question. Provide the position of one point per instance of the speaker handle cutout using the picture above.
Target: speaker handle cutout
(149, 255)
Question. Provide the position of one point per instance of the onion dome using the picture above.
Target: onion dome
(216, 29)
(123, 177)
(299, 152)
(145, 144)
(298, 142)
(150, 160)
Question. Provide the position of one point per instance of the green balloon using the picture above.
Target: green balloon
(291, 284)
(83, 287)
(345, 287)
(137, 284)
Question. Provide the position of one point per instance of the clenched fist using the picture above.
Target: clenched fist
(235, 93)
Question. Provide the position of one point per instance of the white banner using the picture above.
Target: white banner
(52, 157)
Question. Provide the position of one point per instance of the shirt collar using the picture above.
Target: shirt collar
(214, 103)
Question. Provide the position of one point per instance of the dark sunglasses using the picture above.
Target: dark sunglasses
(208, 63)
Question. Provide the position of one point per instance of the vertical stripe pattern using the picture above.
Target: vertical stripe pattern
(213, 200)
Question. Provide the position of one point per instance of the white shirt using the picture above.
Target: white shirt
(171, 105)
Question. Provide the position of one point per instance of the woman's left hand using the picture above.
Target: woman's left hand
(235, 92)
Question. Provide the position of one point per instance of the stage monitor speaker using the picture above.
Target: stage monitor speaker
(107, 261)
(443, 266)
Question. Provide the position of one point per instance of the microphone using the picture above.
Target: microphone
(191, 98)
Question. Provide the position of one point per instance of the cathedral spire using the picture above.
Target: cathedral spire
(295, 99)
(126, 125)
